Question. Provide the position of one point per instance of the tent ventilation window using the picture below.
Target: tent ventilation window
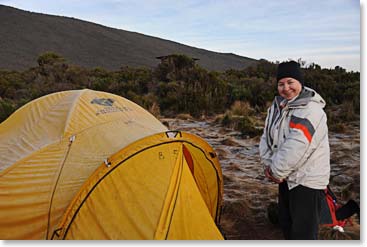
(173, 134)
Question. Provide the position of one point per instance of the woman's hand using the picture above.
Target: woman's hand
(270, 177)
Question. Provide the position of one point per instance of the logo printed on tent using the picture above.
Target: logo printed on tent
(103, 101)
(109, 108)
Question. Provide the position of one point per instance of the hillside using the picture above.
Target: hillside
(25, 35)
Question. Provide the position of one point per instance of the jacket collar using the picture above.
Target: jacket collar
(306, 95)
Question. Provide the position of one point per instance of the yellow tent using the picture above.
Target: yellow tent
(92, 165)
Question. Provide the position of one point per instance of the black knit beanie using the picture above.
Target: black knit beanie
(290, 69)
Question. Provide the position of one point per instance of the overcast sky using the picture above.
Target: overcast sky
(326, 32)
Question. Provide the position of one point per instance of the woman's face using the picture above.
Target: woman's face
(289, 88)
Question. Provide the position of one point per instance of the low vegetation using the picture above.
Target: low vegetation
(180, 86)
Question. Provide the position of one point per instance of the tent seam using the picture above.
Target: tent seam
(55, 186)
(176, 198)
(80, 93)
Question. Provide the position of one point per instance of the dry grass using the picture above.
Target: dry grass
(241, 108)
(184, 116)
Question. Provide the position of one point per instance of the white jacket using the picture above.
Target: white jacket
(295, 141)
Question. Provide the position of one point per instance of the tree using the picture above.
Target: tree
(49, 58)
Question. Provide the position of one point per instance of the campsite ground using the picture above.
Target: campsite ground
(247, 193)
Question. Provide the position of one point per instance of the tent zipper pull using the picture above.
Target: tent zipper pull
(72, 138)
(107, 163)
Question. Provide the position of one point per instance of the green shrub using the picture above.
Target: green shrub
(227, 120)
(6, 109)
(49, 58)
(247, 127)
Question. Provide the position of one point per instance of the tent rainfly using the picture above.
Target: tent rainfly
(84, 164)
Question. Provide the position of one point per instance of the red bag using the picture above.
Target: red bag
(328, 211)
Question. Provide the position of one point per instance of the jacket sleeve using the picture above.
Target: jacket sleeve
(265, 151)
(303, 127)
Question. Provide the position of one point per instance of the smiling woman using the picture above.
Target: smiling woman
(294, 150)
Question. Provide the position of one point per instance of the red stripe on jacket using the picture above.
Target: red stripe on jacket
(303, 128)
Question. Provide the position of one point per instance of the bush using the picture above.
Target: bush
(347, 110)
(227, 120)
(6, 109)
(241, 108)
(49, 58)
(179, 85)
(245, 124)
(155, 110)
(184, 116)
(247, 127)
